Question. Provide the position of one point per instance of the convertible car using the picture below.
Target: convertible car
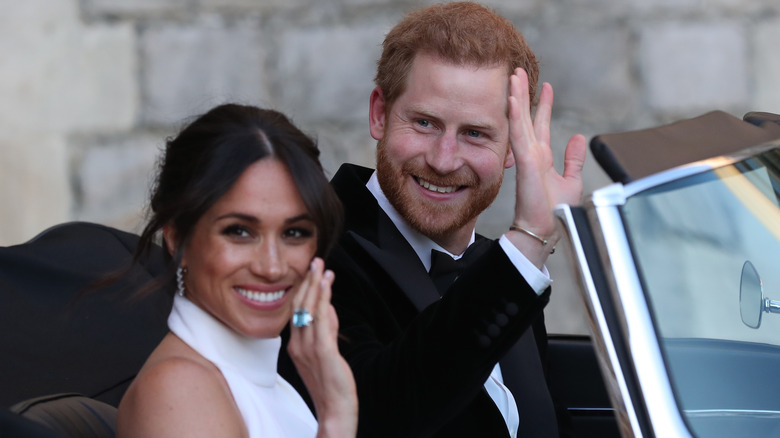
(676, 261)
(676, 267)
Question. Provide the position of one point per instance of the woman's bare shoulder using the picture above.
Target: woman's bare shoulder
(178, 393)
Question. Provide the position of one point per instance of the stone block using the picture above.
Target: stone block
(114, 176)
(58, 75)
(589, 68)
(189, 68)
(696, 7)
(694, 67)
(254, 4)
(327, 73)
(134, 8)
(496, 219)
(343, 143)
(35, 192)
(104, 94)
(766, 54)
(649, 6)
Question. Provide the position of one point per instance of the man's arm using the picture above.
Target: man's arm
(416, 375)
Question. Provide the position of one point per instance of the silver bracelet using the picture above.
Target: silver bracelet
(515, 227)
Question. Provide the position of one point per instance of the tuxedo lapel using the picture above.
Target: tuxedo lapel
(414, 283)
(373, 231)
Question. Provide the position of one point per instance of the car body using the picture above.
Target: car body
(672, 258)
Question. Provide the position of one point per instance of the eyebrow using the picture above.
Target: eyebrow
(253, 219)
(300, 217)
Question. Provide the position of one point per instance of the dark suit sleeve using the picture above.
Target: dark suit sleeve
(415, 372)
(561, 412)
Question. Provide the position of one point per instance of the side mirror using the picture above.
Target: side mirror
(751, 296)
(752, 302)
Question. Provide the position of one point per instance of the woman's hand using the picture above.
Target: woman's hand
(314, 349)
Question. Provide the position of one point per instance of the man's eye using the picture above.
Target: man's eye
(424, 123)
(473, 133)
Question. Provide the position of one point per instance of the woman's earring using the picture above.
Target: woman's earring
(180, 271)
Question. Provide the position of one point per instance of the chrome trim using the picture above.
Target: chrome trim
(608, 196)
(674, 174)
(602, 338)
(609, 411)
(626, 290)
(701, 413)
(617, 193)
(694, 168)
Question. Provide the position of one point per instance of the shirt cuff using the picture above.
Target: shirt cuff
(539, 280)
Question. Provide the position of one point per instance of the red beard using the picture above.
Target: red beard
(432, 218)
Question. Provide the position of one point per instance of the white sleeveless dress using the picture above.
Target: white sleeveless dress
(270, 406)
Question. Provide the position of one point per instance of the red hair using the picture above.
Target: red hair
(461, 33)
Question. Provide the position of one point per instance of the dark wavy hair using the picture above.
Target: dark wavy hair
(208, 156)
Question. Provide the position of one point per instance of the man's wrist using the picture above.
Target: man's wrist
(542, 240)
(536, 276)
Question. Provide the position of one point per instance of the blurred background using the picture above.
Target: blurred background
(90, 89)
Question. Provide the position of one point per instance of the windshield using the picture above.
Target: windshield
(691, 239)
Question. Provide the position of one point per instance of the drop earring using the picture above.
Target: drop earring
(180, 271)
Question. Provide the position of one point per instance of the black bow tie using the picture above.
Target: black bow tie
(445, 270)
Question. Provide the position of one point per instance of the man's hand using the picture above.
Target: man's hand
(539, 186)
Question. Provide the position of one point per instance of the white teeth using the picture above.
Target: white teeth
(426, 185)
(263, 297)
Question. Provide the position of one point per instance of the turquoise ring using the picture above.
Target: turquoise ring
(302, 318)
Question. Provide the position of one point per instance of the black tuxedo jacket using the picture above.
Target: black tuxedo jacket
(420, 361)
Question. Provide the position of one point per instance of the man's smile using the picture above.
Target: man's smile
(436, 188)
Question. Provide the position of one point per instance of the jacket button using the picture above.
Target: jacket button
(511, 309)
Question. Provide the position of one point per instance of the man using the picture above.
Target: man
(459, 357)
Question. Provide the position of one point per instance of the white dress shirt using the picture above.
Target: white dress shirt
(539, 280)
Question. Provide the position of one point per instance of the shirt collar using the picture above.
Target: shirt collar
(421, 243)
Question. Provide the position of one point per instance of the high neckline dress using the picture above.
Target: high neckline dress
(269, 405)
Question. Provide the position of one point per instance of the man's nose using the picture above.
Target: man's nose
(443, 156)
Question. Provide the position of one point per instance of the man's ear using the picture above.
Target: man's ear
(377, 114)
(169, 237)
(509, 161)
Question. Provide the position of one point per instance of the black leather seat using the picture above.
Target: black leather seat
(70, 415)
(62, 336)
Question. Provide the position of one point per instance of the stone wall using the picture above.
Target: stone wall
(89, 89)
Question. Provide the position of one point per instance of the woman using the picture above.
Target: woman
(246, 215)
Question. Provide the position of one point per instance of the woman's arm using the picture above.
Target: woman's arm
(314, 349)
